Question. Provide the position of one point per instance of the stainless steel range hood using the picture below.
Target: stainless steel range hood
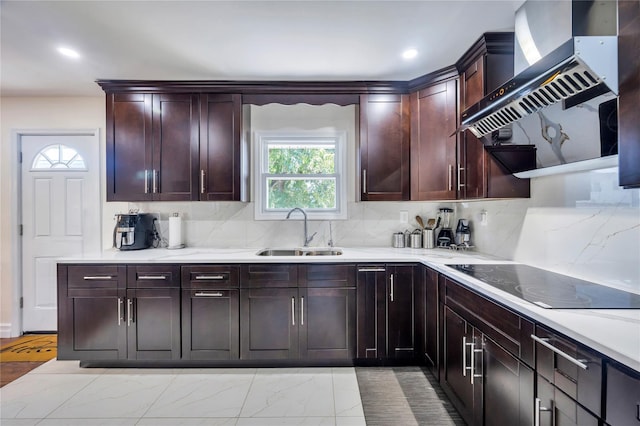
(571, 51)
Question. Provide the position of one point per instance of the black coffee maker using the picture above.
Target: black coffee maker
(445, 236)
(134, 231)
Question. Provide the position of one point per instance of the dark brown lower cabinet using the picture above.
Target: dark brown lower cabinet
(623, 396)
(487, 384)
(268, 323)
(153, 323)
(327, 323)
(210, 324)
(554, 408)
(291, 323)
(386, 316)
(432, 320)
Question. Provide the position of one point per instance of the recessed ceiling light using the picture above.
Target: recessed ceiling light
(70, 53)
(409, 53)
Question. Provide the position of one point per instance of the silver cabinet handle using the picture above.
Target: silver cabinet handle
(371, 269)
(201, 294)
(450, 177)
(210, 277)
(202, 181)
(472, 366)
(152, 277)
(97, 277)
(119, 311)
(544, 342)
(155, 181)
(129, 311)
(302, 311)
(293, 311)
(391, 287)
(538, 409)
(460, 184)
(146, 181)
(364, 181)
(464, 356)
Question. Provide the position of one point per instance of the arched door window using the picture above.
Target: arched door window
(59, 157)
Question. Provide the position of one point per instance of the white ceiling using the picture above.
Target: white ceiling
(233, 40)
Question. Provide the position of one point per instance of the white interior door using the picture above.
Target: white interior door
(60, 215)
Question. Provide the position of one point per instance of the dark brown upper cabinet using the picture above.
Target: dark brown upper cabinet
(220, 126)
(629, 78)
(152, 147)
(384, 147)
(434, 115)
(483, 68)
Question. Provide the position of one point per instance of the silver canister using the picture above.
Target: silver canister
(428, 238)
(398, 240)
(416, 239)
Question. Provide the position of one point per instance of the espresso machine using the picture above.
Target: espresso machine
(134, 231)
(445, 235)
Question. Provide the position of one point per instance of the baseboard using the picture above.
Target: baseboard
(5, 330)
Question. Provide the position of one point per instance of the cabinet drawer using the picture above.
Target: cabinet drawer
(95, 276)
(571, 367)
(210, 276)
(275, 275)
(623, 396)
(154, 276)
(505, 327)
(328, 275)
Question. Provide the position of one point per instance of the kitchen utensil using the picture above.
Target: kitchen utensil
(427, 238)
(420, 222)
(431, 223)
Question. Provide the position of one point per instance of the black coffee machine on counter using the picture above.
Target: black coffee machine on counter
(134, 231)
(445, 235)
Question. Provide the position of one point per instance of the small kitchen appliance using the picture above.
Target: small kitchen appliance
(463, 233)
(134, 231)
(445, 236)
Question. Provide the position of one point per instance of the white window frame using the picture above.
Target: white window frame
(264, 138)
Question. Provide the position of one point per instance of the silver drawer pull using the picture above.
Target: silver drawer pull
(201, 294)
(210, 277)
(97, 277)
(152, 277)
(371, 269)
(544, 342)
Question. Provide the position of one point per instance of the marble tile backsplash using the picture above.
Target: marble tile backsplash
(580, 224)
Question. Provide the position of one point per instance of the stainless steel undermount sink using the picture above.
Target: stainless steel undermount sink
(300, 252)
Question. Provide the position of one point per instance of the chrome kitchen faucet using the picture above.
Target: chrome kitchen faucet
(307, 239)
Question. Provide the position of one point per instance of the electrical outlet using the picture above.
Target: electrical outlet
(404, 216)
(484, 218)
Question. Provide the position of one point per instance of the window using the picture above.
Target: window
(305, 170)
(58, 157)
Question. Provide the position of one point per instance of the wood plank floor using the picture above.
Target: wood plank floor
(9, 371)
(404, 396)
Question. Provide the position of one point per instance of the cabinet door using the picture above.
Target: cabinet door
(508, 387)
(220, 127)
(129, 147)
(327, 323)
(269, 323)
(153, 323)
(91, 325)
(400, 313)
(384, 147)
(434, 142)
(432, 319)
(623, 396)
(371, 295)
(174, 176)
(210, 324)
(456, 380)
(628, 66)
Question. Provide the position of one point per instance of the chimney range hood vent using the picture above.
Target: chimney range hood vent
(573, 71)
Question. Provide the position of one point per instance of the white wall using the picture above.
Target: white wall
(580, 224)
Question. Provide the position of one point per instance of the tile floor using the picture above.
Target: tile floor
(61, 393)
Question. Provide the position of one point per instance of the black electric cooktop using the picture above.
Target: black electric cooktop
(549, 289)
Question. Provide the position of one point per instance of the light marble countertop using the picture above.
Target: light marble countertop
(613, 332)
